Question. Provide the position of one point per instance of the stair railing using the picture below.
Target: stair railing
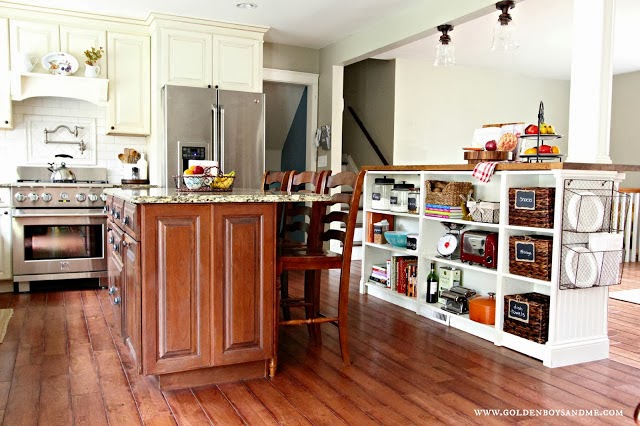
(368, 136)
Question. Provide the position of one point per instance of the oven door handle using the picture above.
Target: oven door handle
(57, 213)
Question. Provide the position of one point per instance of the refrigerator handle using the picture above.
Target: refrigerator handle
(214, 120)
(221, 163)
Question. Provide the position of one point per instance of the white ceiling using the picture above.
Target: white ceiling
(544, 31)
(306, 23)
(544, 28)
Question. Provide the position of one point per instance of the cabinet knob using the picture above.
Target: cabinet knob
(117, 214)
(7, 121)
(111, 240)
(113, 127)
(126, 220)
(125, 244)
(116, 300)
(6, 212)
(112, 290)
(209, 86)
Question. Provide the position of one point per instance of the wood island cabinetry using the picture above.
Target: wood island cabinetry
(197, 288)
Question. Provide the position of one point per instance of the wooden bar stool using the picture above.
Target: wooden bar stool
(297, 220)
(313, 257)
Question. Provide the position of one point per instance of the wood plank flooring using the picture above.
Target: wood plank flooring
(63, 363)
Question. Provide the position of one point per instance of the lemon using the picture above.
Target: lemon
(188, 172)
(555, 150)
(531, 151)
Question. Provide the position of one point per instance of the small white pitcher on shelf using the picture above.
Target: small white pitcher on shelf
(25, 62)
(91, 71)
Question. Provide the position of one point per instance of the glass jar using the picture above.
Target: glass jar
(381, 193)
(414, 197)
(399, 200)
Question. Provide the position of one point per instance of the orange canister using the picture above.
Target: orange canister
(483, 309)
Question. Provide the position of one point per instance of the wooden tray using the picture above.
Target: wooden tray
(474, 157)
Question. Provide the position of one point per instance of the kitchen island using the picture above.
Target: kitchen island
(192, 281)
(577, 275)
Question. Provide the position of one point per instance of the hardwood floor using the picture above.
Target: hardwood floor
(62, 363)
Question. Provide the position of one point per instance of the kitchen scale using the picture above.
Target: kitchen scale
(449, 244)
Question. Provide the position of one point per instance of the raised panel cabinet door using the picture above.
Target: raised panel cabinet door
(6, 111)
(243, 283)
(75, 40)
(115, 273)
(5, 244)
(176, 287)
(131, 297)
(237, 63)
(129, 110)
(187, 58)
(32, 39)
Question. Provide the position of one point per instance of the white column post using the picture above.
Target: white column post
(591, 76)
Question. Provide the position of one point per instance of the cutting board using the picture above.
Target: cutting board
(474, 157)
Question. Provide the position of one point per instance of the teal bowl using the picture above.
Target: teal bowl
(396, 238)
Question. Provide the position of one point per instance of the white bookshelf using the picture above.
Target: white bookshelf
(570, 340)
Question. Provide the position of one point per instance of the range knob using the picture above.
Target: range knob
(64, 196)
(33, 196)
(80, 197)
(93, 197)
(20, 197)
(46, 197)
(103, 196)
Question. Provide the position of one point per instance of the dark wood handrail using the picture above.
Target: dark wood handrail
(368, 136)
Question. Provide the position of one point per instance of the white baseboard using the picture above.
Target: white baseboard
(561, 355)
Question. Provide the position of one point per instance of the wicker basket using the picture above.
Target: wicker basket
(541, 216)
(538, 268)
(449, 194)
(536, 325)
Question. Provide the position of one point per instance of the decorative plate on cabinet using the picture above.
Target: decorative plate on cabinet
(59, 63)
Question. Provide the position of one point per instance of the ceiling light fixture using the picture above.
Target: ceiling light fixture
(247, 5)
(445, 52)
(503, 32)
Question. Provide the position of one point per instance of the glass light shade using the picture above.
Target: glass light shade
(445, 55)
(504, 37)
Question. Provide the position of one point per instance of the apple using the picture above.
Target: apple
(544, 149)
(491, 145)
(198, 170)
(531, 129)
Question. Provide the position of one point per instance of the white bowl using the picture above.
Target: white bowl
(193, 181)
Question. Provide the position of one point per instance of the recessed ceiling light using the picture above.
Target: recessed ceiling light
(247, 5)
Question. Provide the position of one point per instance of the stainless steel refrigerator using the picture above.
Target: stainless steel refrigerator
(213, 124)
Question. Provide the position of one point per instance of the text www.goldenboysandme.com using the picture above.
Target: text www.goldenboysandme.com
(549, 413)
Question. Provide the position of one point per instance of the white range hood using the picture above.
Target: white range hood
(30, 85)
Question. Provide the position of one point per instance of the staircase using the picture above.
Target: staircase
(348, 165)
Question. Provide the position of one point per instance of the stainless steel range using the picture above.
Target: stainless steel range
(58, 228)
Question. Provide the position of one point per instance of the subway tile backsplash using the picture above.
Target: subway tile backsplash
(24, 145)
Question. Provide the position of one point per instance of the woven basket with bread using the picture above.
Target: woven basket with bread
(446, 193)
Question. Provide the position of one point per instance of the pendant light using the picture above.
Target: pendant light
(504, 31)
(445, 53)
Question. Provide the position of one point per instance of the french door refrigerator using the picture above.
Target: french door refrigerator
(212, 124)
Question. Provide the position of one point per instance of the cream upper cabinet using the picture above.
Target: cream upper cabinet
(188, 58)
(237, 63)
(75, 40)
(6, 116)
(129, 84)
(32, 39)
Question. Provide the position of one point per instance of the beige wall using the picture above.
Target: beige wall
(625, 106)
(292, 58)
(369, 88)
(437, 109)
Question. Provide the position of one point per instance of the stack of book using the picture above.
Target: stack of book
(403, 273)
(379, 274)
(445, 212)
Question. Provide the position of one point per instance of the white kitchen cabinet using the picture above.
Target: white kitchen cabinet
(33, 39)
(237, 63)
(6, 115)
(129, 72)
(188, 58)
(577, 318)
(75, 40)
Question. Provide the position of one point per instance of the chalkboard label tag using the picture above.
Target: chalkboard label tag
(525, 252)
(393, 200)
(375, 196)
(413, 204)
(525, 200)
(519, 311)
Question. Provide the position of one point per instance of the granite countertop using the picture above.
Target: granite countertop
(514, 166)
(5, 185)
(171, 196)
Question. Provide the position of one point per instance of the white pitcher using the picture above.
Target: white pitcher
(25, 63)
(91, 71)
